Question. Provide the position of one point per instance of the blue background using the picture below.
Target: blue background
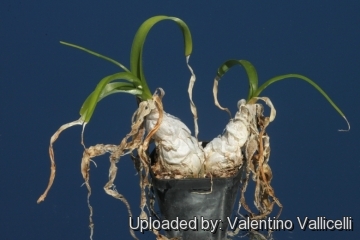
(43, 85)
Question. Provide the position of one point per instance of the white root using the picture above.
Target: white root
(180, 154)
(177, 150)
(224, 152)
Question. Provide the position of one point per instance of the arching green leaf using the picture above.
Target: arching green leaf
(306, 79)
(138, 44)
(103, 89)
(250, 71)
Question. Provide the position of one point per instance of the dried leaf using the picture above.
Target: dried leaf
(269, 103)
(192, 104)
(215, 92)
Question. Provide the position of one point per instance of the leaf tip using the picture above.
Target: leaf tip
(345, 130)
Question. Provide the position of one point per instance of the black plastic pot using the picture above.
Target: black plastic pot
(189, 199)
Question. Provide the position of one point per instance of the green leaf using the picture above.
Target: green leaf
(96, 54)
(250, 71)
(136, 64)
(308, 80)
(119, 87)
(103, 89)
(111, 88)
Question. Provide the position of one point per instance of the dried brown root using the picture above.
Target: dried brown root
(137, 142)
(93, 151)
(52, 156)
(257, 153)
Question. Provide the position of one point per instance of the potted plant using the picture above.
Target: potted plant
(190, 179)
